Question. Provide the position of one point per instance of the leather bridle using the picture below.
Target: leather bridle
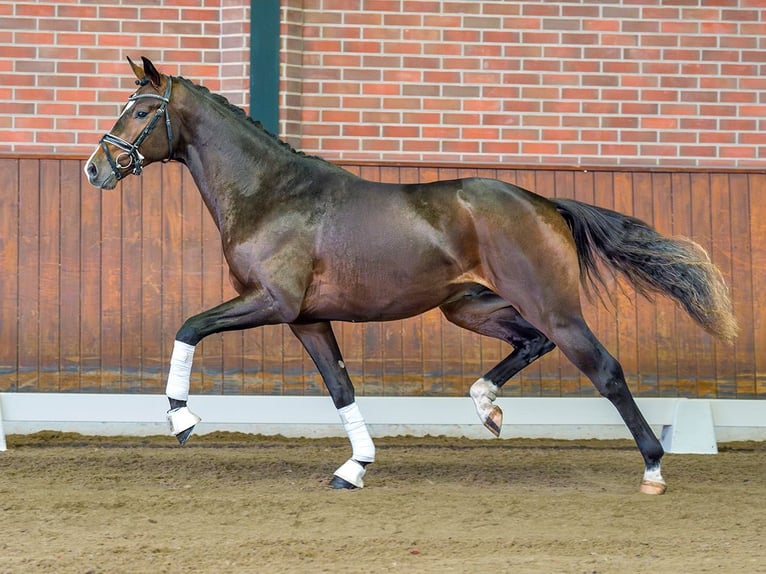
(130, 150)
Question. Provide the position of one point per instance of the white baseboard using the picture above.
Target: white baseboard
(556, 418)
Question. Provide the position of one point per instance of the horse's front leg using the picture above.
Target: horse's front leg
(319, 341)
(250, 309)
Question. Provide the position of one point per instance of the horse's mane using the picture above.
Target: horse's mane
(247, 120)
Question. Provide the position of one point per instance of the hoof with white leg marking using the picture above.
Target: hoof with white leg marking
(494, 420)
(653, 483)
(182, 422)
(348, 476)
(652, 487)
(484, 393)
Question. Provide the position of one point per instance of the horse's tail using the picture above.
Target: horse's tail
(676, 267)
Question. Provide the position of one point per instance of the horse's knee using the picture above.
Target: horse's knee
(189, 332)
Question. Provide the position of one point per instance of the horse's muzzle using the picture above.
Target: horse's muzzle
(102, 182)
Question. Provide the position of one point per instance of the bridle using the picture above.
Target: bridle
(130, 150)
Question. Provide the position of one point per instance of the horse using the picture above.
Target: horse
(308, 242)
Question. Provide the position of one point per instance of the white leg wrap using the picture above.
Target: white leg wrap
(483, 393)
(180, 371)
(356, 429)
(351, 471)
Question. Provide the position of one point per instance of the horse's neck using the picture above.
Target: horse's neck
(231, 165)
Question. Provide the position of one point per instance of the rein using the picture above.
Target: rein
(130, 150)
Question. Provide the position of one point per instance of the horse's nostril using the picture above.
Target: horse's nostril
(92, 170)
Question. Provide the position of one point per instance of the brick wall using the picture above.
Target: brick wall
(63, 72)
(636, 82)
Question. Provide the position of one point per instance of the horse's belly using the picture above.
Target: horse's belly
(372, 303)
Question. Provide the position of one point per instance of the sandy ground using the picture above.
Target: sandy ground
(236, 503)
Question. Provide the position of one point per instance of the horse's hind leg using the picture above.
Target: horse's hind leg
(575, 339)
(488, 314)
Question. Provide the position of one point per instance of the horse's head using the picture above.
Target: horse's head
(133, 142)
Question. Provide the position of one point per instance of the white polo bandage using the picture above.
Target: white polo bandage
(356, 429)
(180, 371)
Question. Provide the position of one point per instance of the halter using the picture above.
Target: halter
(130, 150)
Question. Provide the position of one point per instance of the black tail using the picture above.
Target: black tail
(676, 267)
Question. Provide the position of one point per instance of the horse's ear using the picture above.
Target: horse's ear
(137, 70)
(151, 72)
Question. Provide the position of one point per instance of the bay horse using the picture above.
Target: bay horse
(308, 243)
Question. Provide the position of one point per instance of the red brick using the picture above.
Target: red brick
(560, 134)
(421, 145)
(561, 107)
(380, 89)
(718, 137)
(537, 148)
(698, 151)
(579, 149)
(737, 151)
(500, 147)
(600, 135)
(441, 132)
(659, 150)
(349, 130)
(461, 146)
(381, 144)
(601, 25)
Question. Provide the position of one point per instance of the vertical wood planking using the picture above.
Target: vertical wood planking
(90, 287)
(684, 336)
(49, 280)
(70, 276)
(9, 274)
(173, 280)
(132, 286)
(150, 305)
(722, 256)
(626, 294)
(742, 284)
(757, 186)
(100, 282)
(606, 300)
(702, 233)
(645, 196)
(111, 287)
(29, 271)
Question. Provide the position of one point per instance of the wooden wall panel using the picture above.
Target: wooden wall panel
(95, 284)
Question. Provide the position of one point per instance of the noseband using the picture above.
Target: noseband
(130, 150)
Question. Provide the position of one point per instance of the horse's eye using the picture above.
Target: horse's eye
(141, 114)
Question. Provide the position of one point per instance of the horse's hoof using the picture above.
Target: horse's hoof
(339, 483)
(182, 422)
(183, 436)
(652, 487)
(494, 420)
(349, 475)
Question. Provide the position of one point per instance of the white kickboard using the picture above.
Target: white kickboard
(692, 430)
